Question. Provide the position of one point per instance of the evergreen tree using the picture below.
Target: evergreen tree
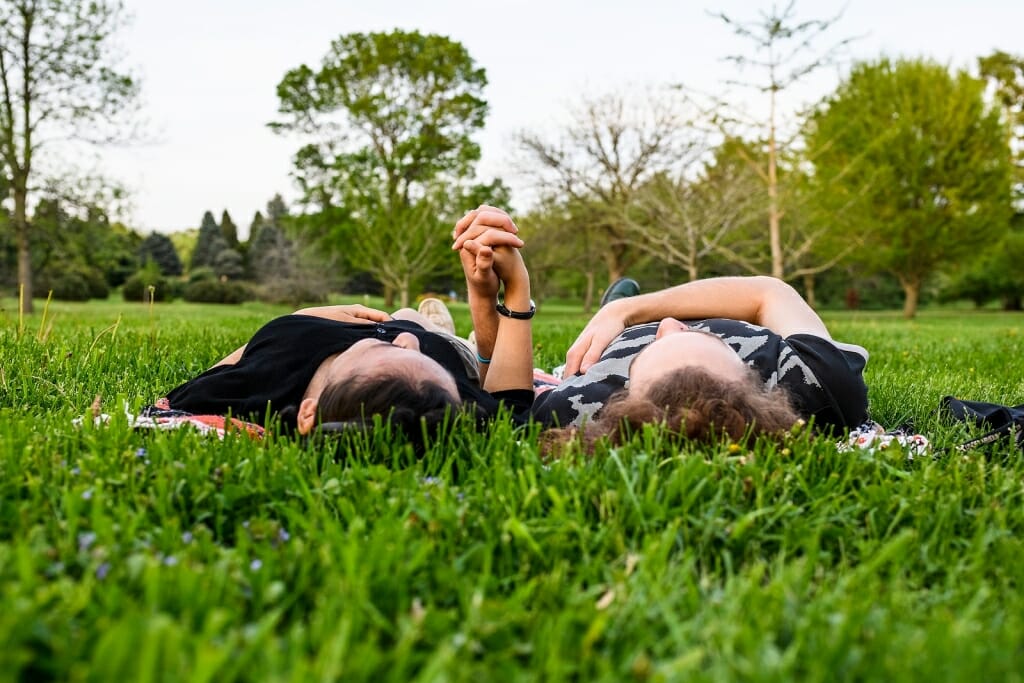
(229, 230)
(159, 249)
(270, 254)
(228, 264)
(209, 243)
(255, 227)
(277, 211)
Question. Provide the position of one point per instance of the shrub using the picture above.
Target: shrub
(74, 282)
(136, 288)
(292, 292)
(216, 292)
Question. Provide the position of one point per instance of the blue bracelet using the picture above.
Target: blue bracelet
(481, 359)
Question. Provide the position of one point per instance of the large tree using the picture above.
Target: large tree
(611, 147)
(915, 157)
(58, 79)
(388, 120)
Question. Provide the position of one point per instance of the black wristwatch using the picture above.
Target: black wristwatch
(517, 315)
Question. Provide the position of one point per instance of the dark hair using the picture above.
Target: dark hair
(692, 403)
(417, 407)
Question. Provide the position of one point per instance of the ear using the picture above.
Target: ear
(307, 416)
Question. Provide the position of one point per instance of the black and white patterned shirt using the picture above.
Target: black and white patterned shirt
(822, 377)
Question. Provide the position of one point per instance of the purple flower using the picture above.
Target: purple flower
(256, 565)
(140, 453)
(186, 537)
(102, 571)
(87, 494)
(85, 541)
(283, 535)
(75, 470)
(170, 561)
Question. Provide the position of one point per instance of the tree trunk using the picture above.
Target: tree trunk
(403, 295)
(774, 216)
(21, 229)
(809, 290)
(691, 271)
(389, 297)
(588, 296)
(1012, 303)
(911, 290)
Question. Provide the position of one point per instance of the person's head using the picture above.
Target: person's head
(391, 379)
(677, 346)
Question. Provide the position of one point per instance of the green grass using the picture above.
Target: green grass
(169, 556)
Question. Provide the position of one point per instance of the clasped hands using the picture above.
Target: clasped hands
(482, 233)
(488, 245)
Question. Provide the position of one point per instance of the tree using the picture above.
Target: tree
(159, 249)
(209, 243)
(388, 120)
(1005, 75)
(913, 156)
(228, 264)
(784, 54)
(228, 230)
(613, 145)
(58, 78)
(683, 220)
(255, 226)
(271, 253)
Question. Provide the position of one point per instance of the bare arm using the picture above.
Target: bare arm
(354, 313)
(485, 229)
(764, 301)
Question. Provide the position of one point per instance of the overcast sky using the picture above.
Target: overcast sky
(209, 69)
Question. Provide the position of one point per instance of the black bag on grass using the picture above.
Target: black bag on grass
(1003, 421)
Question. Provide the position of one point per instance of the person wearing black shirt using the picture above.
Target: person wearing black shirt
(348, 363)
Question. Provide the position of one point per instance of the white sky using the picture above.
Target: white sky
(209, 70)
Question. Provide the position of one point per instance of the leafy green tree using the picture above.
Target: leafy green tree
(209, 243)
(914, 157)
(388, 121)
(228, 230)
(59, 77)
(159, 249)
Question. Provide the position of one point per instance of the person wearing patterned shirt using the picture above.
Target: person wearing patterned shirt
(731, 355)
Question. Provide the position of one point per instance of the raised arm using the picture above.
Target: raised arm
(760, 300)
(486, 228)
(491, 258)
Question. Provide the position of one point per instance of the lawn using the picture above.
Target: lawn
(170, 556)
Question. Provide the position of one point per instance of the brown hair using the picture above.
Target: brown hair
(419, 408)
(692, 403)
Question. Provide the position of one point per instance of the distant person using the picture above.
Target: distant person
(342, 365)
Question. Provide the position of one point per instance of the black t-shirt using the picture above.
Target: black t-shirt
(281, 358)
(823, 378)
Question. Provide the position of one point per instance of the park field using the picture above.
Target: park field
(169, 556)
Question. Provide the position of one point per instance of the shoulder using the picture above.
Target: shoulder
(830, 383)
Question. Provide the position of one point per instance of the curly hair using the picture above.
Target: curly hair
(692, 403)
(419, 408)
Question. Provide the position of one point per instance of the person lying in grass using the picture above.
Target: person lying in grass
(722, 356)
(346, 364)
